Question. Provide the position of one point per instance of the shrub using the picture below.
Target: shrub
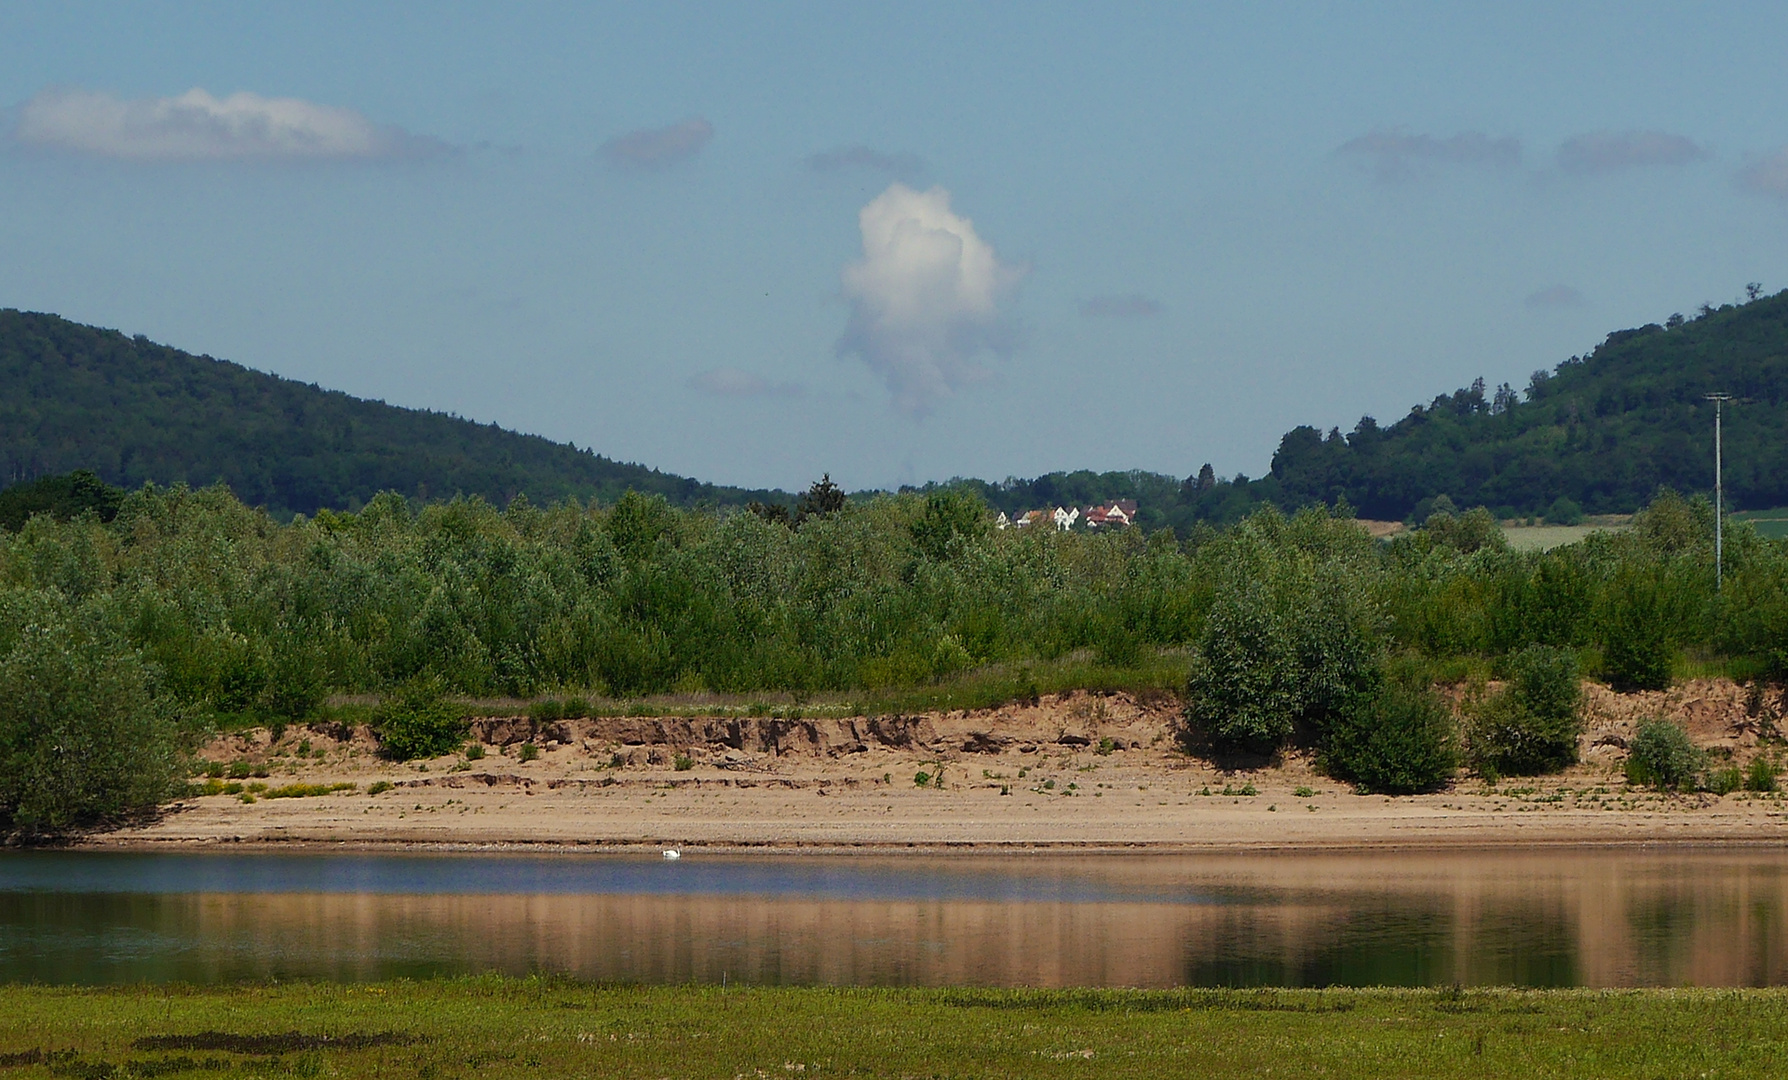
(380, 787)
(1292, 635)
(1564, 512)
(529, 751)
(1505, 738)
(416, 722)
(1636, 645)
(1544, 679)
(1397, 741)
(84, 736)
(682, 762)
(1662, 755)
(1725, 781)
(1531, 725)
(1760, 775)
(474, 751)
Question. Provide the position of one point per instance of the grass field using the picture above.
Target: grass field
(494, 1027)
(1771, 524)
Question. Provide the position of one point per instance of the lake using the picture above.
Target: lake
(1537, 918)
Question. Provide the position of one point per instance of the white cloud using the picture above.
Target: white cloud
(904, 166)
(1555, 296)
(924, 298)
(195, 126)
(659, 148)
(729, 382)
(1603, 151)
(1767, 175)
(1125, 306)
(1397, 155)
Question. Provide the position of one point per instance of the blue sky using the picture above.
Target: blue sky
(1123, 236)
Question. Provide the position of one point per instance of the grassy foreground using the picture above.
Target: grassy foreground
(491, 1027)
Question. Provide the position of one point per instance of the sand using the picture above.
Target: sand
(1083, 771)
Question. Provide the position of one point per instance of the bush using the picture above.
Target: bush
(1398, 741)
(1531, 725)
(416, 722)
(1544, 679)
(1663, 756)
(1291, 637)
(1761, 774)
(1506, 738)
(1564, 512)
(1725, 781)
(1636, 645)
(84, 736)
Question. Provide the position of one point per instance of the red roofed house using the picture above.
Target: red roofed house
(1118, 513)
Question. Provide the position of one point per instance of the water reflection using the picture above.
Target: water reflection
(1537, 919)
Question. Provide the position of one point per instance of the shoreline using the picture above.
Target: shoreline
(1080, 773)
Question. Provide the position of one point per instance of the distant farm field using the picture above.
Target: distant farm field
(1771, 524)
(1547, 537)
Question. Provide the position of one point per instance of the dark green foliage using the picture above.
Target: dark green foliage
(78, 397)
(61, 497)
(1602, 431)
(1291, 636)
(84, 735)
(1531, 725)
(1724, 781)
(821, 500)
(415, 721)
(1544, 680)
(1505, 739)
(1397, 740)
(1662, 755)
(948, 515)
(1761, 774)
(1563, 511)
(1636, 631)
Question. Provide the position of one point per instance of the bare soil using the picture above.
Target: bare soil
(1076, 771)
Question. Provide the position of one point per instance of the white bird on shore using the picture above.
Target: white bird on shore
(672, 853)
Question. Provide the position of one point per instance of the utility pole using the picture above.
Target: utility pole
(1719, 401)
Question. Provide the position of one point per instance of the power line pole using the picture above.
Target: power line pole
(1719, 401)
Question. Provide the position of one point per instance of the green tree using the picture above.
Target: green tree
(84, 736)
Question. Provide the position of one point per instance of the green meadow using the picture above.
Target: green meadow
(497, 1027)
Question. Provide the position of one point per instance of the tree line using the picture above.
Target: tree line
(119, 638)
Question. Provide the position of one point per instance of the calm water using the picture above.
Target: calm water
(1536, 919)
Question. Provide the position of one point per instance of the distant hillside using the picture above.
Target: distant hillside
(1604, 430)
(77, 397)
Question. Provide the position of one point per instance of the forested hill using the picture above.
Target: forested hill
(1605, 430)
(78, 397)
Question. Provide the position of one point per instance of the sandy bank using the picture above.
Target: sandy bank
(1081, 771)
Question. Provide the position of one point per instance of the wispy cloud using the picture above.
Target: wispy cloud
(195, 126)
(1395, 154)
(1124, 306)
(862, 158)
(1767, 175)
(925, 298)
(1605, 151)
(659, 148)
(726, 382)
(1554, 296)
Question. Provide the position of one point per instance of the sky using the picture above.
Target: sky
(896, 243)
